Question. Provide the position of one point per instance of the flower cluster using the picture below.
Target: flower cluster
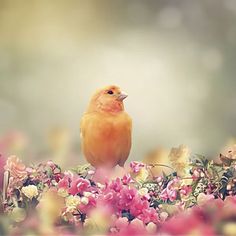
(138, 202)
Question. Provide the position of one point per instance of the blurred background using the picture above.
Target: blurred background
(175, 59)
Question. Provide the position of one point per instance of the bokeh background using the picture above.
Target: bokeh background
(175, 59)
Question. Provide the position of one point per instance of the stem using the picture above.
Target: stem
(163, 165)
(5, 184)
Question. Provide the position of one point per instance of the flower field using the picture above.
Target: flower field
(196, 197)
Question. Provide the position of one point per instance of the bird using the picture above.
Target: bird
(106, 129)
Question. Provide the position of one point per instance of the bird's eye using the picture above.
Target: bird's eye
(110, 92)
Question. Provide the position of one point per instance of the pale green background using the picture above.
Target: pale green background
(175, 59)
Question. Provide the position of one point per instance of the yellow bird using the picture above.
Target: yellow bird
(106, 129)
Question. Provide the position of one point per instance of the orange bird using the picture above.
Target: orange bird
(106, 129)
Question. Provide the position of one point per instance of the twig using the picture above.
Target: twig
(163, 165)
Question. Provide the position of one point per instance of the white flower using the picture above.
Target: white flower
(72, 202)
(143, 191)
(142, 175)
(62, 192)
(85, 200)
(30, 191)
(87, 194)
(151, 228)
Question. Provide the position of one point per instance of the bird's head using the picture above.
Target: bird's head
(108, 99)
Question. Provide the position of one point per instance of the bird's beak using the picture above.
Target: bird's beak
(122, 96)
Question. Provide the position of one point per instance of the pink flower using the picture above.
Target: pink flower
(178, 226)
(126, 179)
(138, 207)
(16, 168)
(84, 208)
(164, 196)
(109, 197)
(65, 181)
(126, 197)
(149, 215)
(116, 185)
(203, 198)
(186, 190)
(121, 222)
(136, 227)
(136, 166)
(170, 192)
(78, 185)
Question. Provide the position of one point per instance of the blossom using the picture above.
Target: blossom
(16, 168)
(62, 192)
(137, 203)
(142, 175)
(65, 181)
(121, 222)
(163, 216)
(85, 200)
(126, 179)
(151, 228)
(179, 158)
(203, 198)
(149, 215)
(170, 192)
(78, 185)
(136, 166)
(185, 191)
(127, 195)
(30, 191)
(72, 202)
(116, 185)
(136, 227)
(138, 206)
(230, 152)
(143, 191)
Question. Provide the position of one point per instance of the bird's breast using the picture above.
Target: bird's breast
(106, 137)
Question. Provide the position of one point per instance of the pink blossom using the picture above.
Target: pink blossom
(136, 166)
(120, 223)
(159, 179)
(136, 227)
(126, 197)
(110, 196)
(149, 215)
(138, 206)
(116, 185)
(65, 181)
(186, 190)
(126, 179)
(16, 168)
(170, 192)
(178, 226)
(84, 208)
(78, 185)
